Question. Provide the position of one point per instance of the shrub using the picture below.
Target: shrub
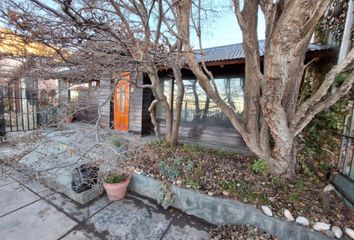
(170, 168)
(259, 166)
(116, 178)
(117, 142)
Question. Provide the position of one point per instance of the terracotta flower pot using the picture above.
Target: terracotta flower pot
(116, 191)
(69, 119)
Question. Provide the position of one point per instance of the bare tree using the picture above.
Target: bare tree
(273, 116)
(103, 36)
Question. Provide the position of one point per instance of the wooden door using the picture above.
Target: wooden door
(121, 105)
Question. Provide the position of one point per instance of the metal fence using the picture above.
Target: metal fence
(346, 151)
(17, 112)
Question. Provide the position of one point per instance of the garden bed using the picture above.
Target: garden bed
(245, 178)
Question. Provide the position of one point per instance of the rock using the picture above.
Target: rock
(288, 215)
(303, 221)
(138, 171)
(329, 233)
(321, 226)
(267, 211)
(179, 182)
(349, 232)
(337, 231)
(225, 193)
(210, 193)
(328, 188)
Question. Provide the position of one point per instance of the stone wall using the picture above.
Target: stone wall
(222, 211)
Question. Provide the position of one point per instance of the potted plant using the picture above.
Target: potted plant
(116, 185)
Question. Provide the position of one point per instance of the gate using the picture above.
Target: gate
(18, 110)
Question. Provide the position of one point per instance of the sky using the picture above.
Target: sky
(224, 30)
(221, 28)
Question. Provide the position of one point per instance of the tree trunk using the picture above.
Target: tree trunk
(157, 88)
(178, 108)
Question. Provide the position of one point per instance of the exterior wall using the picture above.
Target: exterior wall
(139, 102)
(136, 106)
(105, 95)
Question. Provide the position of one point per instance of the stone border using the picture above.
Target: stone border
(345, 186)
(222, 211)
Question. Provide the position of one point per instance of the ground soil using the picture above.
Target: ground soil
(230, 175)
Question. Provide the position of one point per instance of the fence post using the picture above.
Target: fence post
(2, 115)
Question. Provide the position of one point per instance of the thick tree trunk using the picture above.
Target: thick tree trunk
(178, 107)
(273, 92)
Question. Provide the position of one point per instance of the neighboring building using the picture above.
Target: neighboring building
(19, 90)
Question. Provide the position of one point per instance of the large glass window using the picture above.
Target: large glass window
(199, 108)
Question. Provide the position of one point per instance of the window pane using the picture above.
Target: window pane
(197, 107)
(121, 98)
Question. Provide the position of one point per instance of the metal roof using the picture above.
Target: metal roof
(235, 51)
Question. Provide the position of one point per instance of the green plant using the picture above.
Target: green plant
(189, 165)
(194, 148)
(246, 192)
(306, 169)
(192, 183)
(117, 142)
(293, 197)
(275, 181)
(300, 184)
(225, 153)
(259, 166)
(167, 197)
(116, 178)
(262, 199)
(229, 186)
(324, 167)
(170, 168)
(158, 143)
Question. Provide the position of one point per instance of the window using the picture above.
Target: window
(199, 108)
(82, 92)
(122, 98)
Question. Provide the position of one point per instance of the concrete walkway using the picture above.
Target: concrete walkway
(30, 211)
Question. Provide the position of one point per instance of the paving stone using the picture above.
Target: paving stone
(35, 222)
(130, 219)
(4, 180)
(80, 235)
(185, 233)
(79, 212)
(38, 188)
(14, 196)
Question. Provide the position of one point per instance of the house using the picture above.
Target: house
(127, 110)
(21, 93)
(202, 121)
